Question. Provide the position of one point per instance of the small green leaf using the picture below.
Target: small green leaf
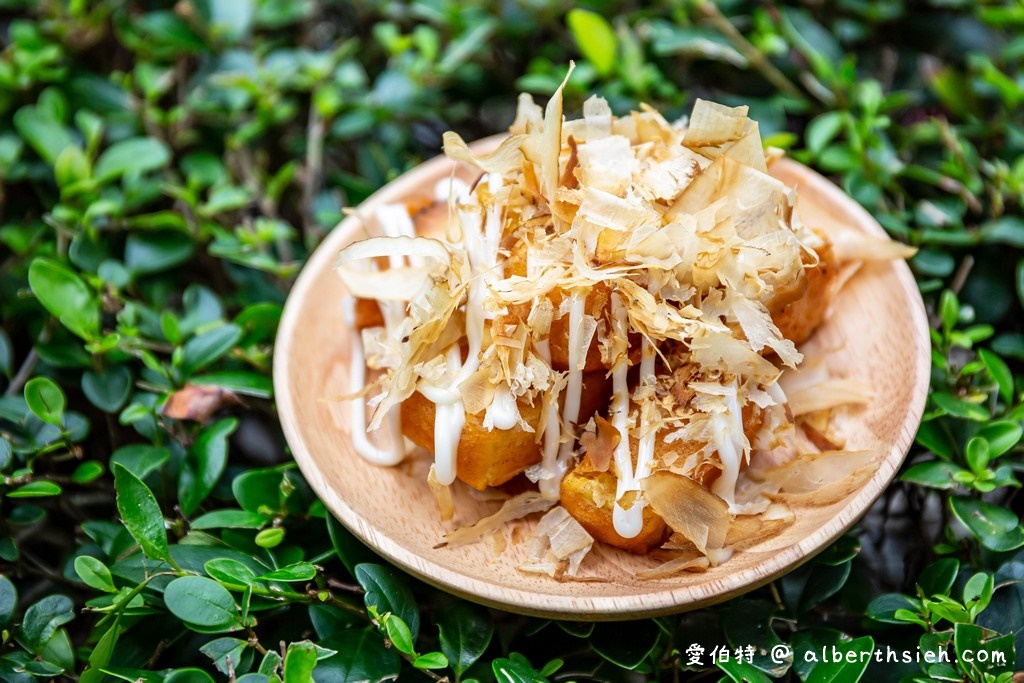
(399, 634)
(135, 155)
(595, 39)
(201, 601)
(8, 601)
(884, 607)
(6, 354)
(88, 472)
(230, 571)
(822, 130)
(45, 399)
(141, 513)
(608, 642)
(387, 592)
(226, 653)
(936, 474)
(938, 577)
(959, 407)
(949, 310)
(1001, 436)
(154, 252)
(230, 519)
(465, 632)
(977, 454)
(204, 464)
(65, 296)
(361, 656)
(108, 389)
(300, 571)
(515, 671)
(47, 136)
(848, 665)
(431, 660)
(999, 371)
(94, 573)
(270, 538)
(299, 662)
(72, 166)
(205, 348)
(140, 459)
(190, 675)
(242, 382)
(36, 489)
(996, 527)
(43, 619)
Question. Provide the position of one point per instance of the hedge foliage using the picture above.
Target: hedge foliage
(165, 168)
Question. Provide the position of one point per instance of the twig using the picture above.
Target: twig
(961, 274)
(756, 58)
(313, 175)
(24, 372)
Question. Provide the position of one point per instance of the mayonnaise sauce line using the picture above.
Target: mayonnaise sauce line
(627, 523)
(393, 454)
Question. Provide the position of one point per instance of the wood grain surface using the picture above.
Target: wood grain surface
(877, 332)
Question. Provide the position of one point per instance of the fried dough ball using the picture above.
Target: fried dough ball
(490, 457)
(798, 319)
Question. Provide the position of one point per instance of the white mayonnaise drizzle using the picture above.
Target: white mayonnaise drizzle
(627, 523)
(503, 413)
(449, 418)
(549, 483)
(728, 429)
(394, 449)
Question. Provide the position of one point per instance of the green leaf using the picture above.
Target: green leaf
(140, 459)
(840, 669)
(203, 349)
(884, 607)
(515, 671)
(242, 382)
(996, 527)
(204, 464)
(935, 438)
(399, 634)
(300, 571)
(350, 550)
(465, 632)
(227, 653)
(742, 671)
(977, 454)
(1001, 436)
(89, 471)
(387, 592)
(748, 623)
(361, 656)
(45, 399)
(960, 408)
(108, 390)
(134, 155)
(938, 577)
(270, 538)
(822, 130)
(6, 354)
(43, 619)
(190, 675)
(299, 662)
(936, 474)
(47, 136)
(259, 490)
(72, 166)
(201, 601)
(65, 296)
(1000, 372)
(431, 660)
(595, 39)
(230, 571)
(230, 519)
(949, 310)
(94, 574)
(154, 252)
(36, 489)
(978, 654)
(141, 513)
(8, 601)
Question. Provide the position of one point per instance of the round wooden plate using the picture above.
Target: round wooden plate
(877, 333)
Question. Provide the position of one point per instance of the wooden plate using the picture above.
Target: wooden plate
(877, 333)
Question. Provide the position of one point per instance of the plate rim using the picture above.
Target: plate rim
(660, 600)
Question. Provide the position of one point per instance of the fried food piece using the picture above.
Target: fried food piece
(590, 499)
(589, 495)
(490, 457)
(798, 319)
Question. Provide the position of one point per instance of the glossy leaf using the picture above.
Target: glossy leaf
(141, 513)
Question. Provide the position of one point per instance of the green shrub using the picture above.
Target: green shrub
(165, 169)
